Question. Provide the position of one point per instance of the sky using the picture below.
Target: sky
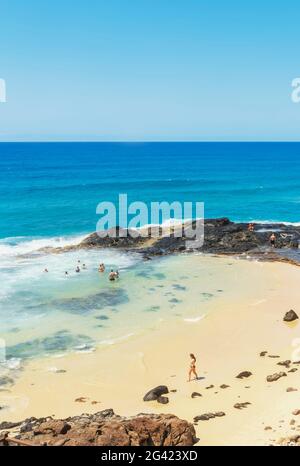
(120, 70)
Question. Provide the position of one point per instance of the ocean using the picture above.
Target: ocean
(48, 197)
(52, 189)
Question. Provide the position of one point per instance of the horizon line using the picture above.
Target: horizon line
(152, 142)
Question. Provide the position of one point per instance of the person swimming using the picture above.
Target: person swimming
(101, 268)
(192, 367)
(46, 270)
(84, 266)
(66, 273)
(112, 275)
(77, 269)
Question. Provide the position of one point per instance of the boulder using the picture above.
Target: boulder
(156, 392)
(163, 400)
(53, 426)
(290, 316)
(275, 377)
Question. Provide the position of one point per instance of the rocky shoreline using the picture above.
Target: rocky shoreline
(104, 428)
(221, 236)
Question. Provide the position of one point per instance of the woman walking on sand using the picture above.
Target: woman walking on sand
(193, 367)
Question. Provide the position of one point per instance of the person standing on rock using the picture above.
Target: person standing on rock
(272, 240)
(192, 370)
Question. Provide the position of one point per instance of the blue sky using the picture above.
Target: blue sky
(149, 70)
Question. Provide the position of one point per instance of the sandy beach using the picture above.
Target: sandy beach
(227, 340)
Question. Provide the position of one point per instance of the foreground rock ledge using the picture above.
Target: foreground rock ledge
(105, 428)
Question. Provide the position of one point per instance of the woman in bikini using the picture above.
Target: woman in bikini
(193, 367)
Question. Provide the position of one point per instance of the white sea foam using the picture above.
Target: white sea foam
(271, 222)
(113, 341)
(16, 246)
(194, 319)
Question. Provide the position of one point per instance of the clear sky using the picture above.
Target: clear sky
(149, 69)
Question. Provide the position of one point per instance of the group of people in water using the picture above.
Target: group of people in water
(113, 275)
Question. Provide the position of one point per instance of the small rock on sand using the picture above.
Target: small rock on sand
(286, 363)
(81, 399)
(291, 389)
(296, 412)
(290, 316)
(195, 394)
(263, 354)
(208, 416)
(244, 375)
(224, 386)
(275, 377)
(241, 405)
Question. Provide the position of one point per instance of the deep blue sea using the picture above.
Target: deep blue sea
(52, 189)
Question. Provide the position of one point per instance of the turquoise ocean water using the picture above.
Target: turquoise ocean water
(48, 197)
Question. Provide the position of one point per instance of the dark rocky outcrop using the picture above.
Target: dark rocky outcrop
(221, 236)
(290, 316)
(106, 429)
